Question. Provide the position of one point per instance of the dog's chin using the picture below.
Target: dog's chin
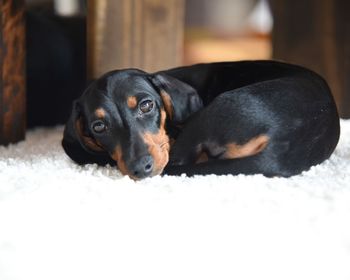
(160, 166)
(161, 162)
(153, 174)
(157, 172)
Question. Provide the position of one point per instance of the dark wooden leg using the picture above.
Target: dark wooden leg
(12, 71)
(146, 34)
(316, 34)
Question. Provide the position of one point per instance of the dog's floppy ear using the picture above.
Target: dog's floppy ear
(79, 146)
(180, 99)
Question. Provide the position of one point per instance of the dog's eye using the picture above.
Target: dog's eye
(98, 126)
(146, 106)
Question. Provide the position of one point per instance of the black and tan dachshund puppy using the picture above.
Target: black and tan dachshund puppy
(246, 117)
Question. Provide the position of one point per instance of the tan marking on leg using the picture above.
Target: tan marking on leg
(167, 103)
(158, 146)
(132, 102)
(252, 147)
(202, 157)
(100, 113)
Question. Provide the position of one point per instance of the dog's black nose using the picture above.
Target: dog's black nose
(143, 167)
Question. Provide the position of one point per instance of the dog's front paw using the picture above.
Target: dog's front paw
(175, 161)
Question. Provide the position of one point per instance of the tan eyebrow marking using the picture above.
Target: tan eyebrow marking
(132, 102)
(100, 113)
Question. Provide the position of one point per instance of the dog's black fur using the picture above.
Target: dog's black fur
(246, 117)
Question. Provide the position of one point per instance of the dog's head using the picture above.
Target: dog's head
(121, 118)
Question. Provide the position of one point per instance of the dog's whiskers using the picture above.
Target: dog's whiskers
(165, 143)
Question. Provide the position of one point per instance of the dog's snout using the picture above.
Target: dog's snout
(143, 167)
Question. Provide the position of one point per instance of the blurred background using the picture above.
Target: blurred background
(227, 30)
(69, 42)
(205, 31)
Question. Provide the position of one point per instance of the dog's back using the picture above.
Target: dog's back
(290, 104)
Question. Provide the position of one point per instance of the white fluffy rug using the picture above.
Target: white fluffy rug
(62, 221)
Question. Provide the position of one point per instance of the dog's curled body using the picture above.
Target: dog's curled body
(249, 117)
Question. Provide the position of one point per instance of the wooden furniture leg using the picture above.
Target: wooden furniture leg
(12, 71)
(316, 33)
(146, 34)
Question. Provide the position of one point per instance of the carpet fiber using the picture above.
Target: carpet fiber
(62, 221)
